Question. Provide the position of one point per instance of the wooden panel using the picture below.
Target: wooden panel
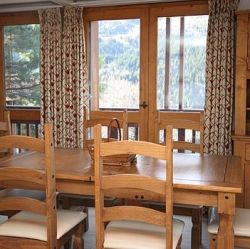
(187, 120)
(144, 76)
(3, 126)
(135, 147)
(26, 243)
(106, 115)
(112, 13)
(29, 17)
(134, 181)
(21, 203)
(241, 65)
(180, 9)
(247, 151)
(133, 116)
(243, 242)
(248, 45)
(181, 145)
(152, 77)
(247, 186)
(23, 115)
(134, 213)
(239, 150)
(22, 174)
(21, 142)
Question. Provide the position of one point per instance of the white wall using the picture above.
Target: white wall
(244, 5)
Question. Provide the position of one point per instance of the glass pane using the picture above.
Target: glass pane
(181, 42)
(21, 50)
(195, 36)
(168, 41)
(118, 59)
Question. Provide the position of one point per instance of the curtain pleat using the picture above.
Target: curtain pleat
(220, 56)
(50, 69)
(75, 85)
(64, 85)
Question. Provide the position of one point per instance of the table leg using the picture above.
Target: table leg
(226, 210)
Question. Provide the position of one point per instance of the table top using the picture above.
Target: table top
(191, 171)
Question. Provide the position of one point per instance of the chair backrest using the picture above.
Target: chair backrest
(28, 178)
(5, 125)
(5, 129)
(96, 117)
(183, 121)
(137, 182)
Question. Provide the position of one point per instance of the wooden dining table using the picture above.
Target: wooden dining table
(207, 180)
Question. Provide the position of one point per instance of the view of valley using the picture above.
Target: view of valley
(119, 63)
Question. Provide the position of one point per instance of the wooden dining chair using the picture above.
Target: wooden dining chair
(134, 227)
(5, 129)
(184, 122)
(104, 119)
(241, 229)
(38, 224)
(92, 119)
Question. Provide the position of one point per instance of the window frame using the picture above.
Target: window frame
(165, 10)
(148, 71)
(181, 90)
(16, 113)
(117, 13)
(150, 13)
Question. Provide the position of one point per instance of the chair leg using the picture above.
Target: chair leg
(196, 228)
(67, 245)
(66, 204)
(86, 220)
(78, 241)
(179, 243)
(212, 241)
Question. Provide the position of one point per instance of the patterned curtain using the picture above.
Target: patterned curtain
(70, 93)
(219, 77)
(75, 85)
(50, 69)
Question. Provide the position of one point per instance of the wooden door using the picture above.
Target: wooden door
(176, 65)
(137, 89)
(118, 48)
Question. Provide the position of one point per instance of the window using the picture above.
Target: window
(117, 57)
(21, 51)
(181, 62)
(147, 58)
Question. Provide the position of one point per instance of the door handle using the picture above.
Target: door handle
(144, 104)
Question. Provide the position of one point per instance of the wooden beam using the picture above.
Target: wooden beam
(18, 18)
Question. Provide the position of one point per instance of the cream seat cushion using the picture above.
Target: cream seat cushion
(139, 235)
(35, 194)
(33, 226)
(241, 223)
